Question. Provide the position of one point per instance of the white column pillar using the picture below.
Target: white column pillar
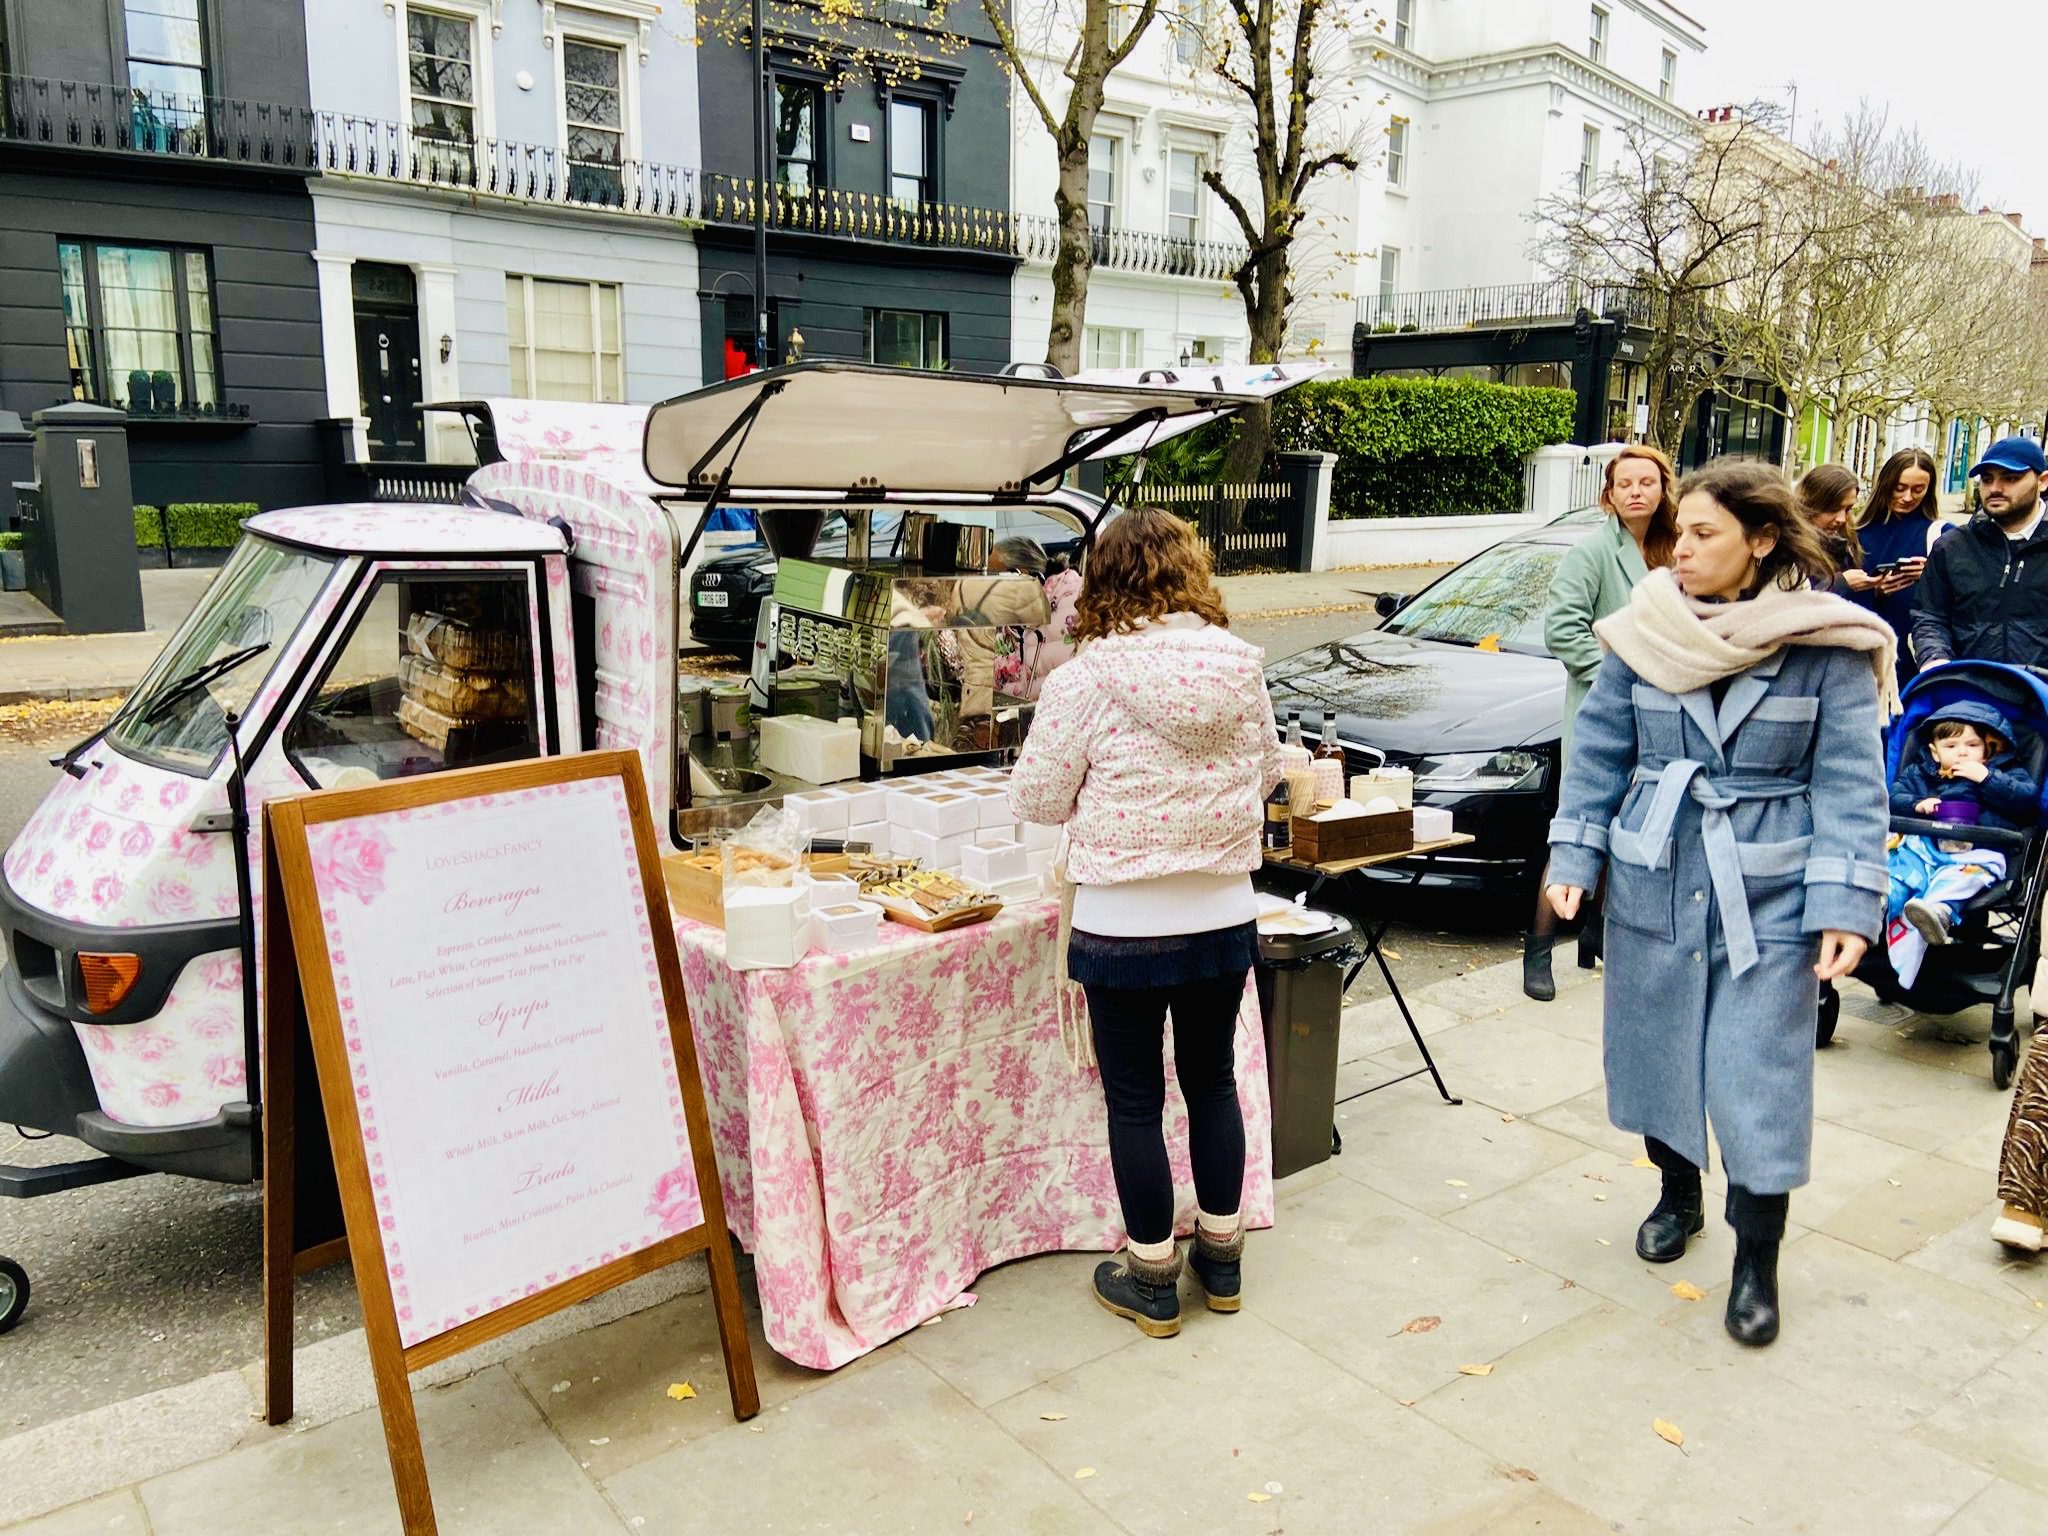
(447, 441)
(338, 341)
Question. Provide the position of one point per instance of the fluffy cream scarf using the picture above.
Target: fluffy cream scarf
(1678, 643)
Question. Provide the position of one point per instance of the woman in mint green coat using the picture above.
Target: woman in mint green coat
(1593, 580)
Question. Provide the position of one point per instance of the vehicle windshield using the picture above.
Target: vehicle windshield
(253, 607)
(1493, 601)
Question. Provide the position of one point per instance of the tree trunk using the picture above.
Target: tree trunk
(1267, 313)
(1075, 259)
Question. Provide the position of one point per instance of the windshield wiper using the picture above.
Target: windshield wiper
(198, 678)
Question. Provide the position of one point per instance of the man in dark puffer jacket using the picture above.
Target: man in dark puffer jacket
(1984, 594)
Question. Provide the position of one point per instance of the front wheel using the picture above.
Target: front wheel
(1829, 1016)
(2005, 1056)
(13, 1293)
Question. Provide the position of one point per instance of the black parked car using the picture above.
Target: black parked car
(1457, 686)
(726, 591)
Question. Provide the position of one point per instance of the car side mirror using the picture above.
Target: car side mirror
(1387, 604)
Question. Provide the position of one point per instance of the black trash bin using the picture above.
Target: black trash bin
(1301, 996)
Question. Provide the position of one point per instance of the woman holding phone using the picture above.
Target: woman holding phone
(1898, 527)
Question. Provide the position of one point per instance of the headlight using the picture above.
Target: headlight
(1470, 772)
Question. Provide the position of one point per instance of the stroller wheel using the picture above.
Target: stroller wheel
(1829, 1016)
(13, 1293)
(2005, 1056)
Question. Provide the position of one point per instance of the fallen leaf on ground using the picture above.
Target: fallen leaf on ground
(1603, 1242)
(1391, 954)
(1476, 1370)
(1260, 1498)
(1895, 1184)
(1685, 1290)
(1084, 1472)
(1052, 1418)
(681, 1391)
(1422, 1325)
(1642, 1162)
(1507, 1119)
(1457, 1183)
(1405, 1402)
(1599, 1197)
(1668, 1431)
(1567, 1284)
(1520, 1474)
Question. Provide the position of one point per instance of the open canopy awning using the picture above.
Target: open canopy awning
(858, 429)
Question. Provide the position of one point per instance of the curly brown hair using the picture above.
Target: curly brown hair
(1757, 497)
(1145, 564)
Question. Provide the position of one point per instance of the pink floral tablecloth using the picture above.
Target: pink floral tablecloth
(892, 1123)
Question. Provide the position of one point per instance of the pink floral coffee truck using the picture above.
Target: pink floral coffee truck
(345, 645)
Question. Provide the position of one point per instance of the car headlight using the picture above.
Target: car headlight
(1470, 772)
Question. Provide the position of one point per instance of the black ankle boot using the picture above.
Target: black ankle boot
(1592, 940)
(1537, 982)
(1145, 1293)
(1218, 1269)
(1680, 1213)
(1753, 1295)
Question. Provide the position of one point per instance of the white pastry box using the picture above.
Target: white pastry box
(820, 812)
(847, 927)
(991, 862)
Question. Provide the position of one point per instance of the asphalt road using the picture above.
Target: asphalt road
(155, 1281)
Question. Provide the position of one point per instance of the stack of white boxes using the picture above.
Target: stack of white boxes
(957, 820)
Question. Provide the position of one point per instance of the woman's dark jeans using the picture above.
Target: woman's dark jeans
(1129, 1026)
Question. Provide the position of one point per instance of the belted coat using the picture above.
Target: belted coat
(1733, 835)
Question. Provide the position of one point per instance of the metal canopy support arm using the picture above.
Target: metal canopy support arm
(1089, 442)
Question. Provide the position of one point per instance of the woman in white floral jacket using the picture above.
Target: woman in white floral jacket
(1155, 748)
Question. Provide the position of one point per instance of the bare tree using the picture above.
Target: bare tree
(1095, 53)
(1684, 234)
(1275, 58)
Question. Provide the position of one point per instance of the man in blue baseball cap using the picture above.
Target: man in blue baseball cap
(1984, 593)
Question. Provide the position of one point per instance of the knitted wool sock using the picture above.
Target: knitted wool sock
(1220, 1237)
(1153, 1263)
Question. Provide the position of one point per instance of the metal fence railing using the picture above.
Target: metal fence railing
(1461, 309)
(44, 113)
(1259, 526)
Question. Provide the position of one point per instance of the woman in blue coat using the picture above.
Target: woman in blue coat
(1725, 770)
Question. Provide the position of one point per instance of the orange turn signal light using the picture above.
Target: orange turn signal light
(108, 979)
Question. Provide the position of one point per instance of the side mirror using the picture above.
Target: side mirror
(1387, 604)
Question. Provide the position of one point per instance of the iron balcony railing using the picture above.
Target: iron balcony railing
(1507, 304)
(1132, 250)
(113, 119)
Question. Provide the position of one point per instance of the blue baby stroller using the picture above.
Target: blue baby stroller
(1995, 944)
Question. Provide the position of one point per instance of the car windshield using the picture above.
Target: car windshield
(1493, 601)
(250, 611)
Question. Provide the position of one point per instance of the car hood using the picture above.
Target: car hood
(1414, 697)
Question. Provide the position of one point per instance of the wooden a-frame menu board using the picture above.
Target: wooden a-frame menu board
(482, 966)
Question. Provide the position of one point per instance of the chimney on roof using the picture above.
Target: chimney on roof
(1983, 210)
(2040, 246)
(2014, 220)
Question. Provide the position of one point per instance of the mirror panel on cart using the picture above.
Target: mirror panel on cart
(886, 640)
(437, 672)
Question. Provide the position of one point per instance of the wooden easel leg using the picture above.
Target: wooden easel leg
(402, 1444)
(732, 1322)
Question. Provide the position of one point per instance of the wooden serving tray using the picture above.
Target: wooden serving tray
(965, 917)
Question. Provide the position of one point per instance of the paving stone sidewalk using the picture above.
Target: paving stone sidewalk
(1447, 1332)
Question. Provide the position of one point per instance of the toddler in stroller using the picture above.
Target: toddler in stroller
(1982, 891)
(1967, 775)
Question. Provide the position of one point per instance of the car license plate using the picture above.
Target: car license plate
(711, 599)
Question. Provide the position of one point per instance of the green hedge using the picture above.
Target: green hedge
(193, 524)
(10, 541)
(1423, 447)
(1405, 447)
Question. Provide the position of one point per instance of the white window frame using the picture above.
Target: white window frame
(485, 18)
(1667, 75)
(1589, 158)
(1130, 346)
(1398, 151)
(526, 280)
(1119, 162)
(1201, 154)
(1191, 31)
(1404, 24)
(598, 31)
(1389, 274)
(1597, 28)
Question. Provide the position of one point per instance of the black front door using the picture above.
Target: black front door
(388, 360)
